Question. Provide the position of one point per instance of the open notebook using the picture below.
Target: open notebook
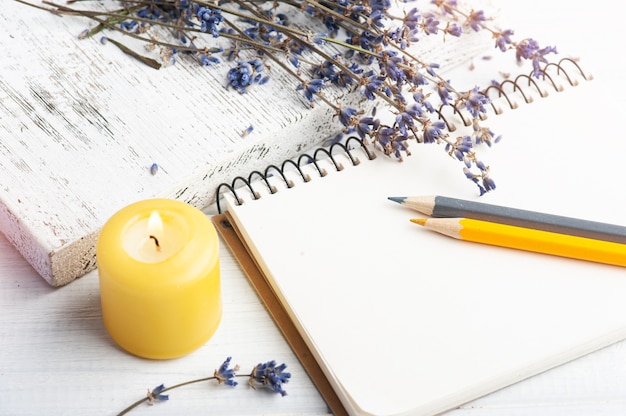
(401, 320)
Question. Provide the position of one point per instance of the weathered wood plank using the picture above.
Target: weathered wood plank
(81, 123)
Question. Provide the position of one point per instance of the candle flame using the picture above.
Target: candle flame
(155, 228)
(155, 223)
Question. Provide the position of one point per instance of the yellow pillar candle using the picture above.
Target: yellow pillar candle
(158, 266)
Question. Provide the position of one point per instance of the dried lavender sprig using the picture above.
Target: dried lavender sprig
(526, 49)
(397, 69)
(118, 17)
(268, 374)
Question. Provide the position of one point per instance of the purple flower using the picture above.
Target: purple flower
(380, 5)
(529, 49)
(503, 39)
(417, 78)
(156, 396)
(395, 35)
(370, 84)
(245, 74)
(343, 79)
(453, 29)
(433, 131)
(226, 375)
(209, 20)
(293, 60)
(421, 98)
(386, 135)
(376, 18)
(270, 375)
(367, 41)
(444, 92)
(247, 131)
(345, 116)
(405, 119)
(411, 18)
(488, 183)
(129, 25)
(365, 124)
(311, 88)
(461, 149)
(325, 70)
(430, 25)
(526, 49)
(388, 63)
(483, 134)
(475, 102)
(431, 69)
(398, 146)
(207, 60)
(476, 19)
(482, 179)
(331, 24)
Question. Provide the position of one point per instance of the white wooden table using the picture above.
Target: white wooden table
(56, 358)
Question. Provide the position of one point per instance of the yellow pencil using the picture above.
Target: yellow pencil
(528, 239)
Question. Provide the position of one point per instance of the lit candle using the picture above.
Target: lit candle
(158, 266)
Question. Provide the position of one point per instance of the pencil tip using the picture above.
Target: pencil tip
(398, 199)
(420, 221)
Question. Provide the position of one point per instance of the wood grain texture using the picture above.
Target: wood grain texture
(55, 345)
(57, 359)
(81, 123)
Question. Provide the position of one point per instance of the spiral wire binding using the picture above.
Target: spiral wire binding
(304, 159)
(505, 90)
(517, 86)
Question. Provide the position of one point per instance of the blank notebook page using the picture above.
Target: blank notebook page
(406, 320)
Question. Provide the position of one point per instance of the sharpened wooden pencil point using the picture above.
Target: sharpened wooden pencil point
(420, 221)
(398, 199)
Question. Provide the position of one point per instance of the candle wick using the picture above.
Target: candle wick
(156, 242)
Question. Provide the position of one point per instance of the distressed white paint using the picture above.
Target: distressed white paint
(81, 124)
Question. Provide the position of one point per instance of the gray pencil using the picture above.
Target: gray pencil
(445, 207)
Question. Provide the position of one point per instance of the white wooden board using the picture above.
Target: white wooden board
(81, 123)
